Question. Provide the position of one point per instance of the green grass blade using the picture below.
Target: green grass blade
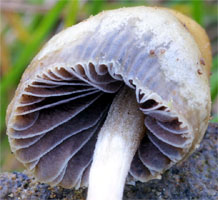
(214, 119)
(72, 12)
(214, 86)
(198, 11)
(215, 64)
(35, 22)
(214, 79)
(97, 6)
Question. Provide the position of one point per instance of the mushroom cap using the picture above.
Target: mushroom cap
(64, 94)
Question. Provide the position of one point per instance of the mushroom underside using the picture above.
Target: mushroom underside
(58, 117)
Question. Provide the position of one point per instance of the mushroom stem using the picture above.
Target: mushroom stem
(117, 143)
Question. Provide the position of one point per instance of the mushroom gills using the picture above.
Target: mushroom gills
(49, 118)
(56, 116)
(162, 145)
(47, 111)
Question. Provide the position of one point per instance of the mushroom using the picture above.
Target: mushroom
(120, 97)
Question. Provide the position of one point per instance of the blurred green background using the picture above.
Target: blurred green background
(27, 24)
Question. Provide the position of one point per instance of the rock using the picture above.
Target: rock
(196, 178)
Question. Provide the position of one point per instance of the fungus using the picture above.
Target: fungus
(94, 107)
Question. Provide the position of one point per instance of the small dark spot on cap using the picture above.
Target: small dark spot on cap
(152, 52)
(185, 26)
(162, 51)
(177, 59)
(202, 61)
(200, 72)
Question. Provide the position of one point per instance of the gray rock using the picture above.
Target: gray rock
(196, 178)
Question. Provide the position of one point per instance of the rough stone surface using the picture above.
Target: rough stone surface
(196, 178)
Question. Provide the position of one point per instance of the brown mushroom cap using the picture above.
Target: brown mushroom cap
(65, 93)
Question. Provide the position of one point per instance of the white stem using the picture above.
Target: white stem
(117, 143)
